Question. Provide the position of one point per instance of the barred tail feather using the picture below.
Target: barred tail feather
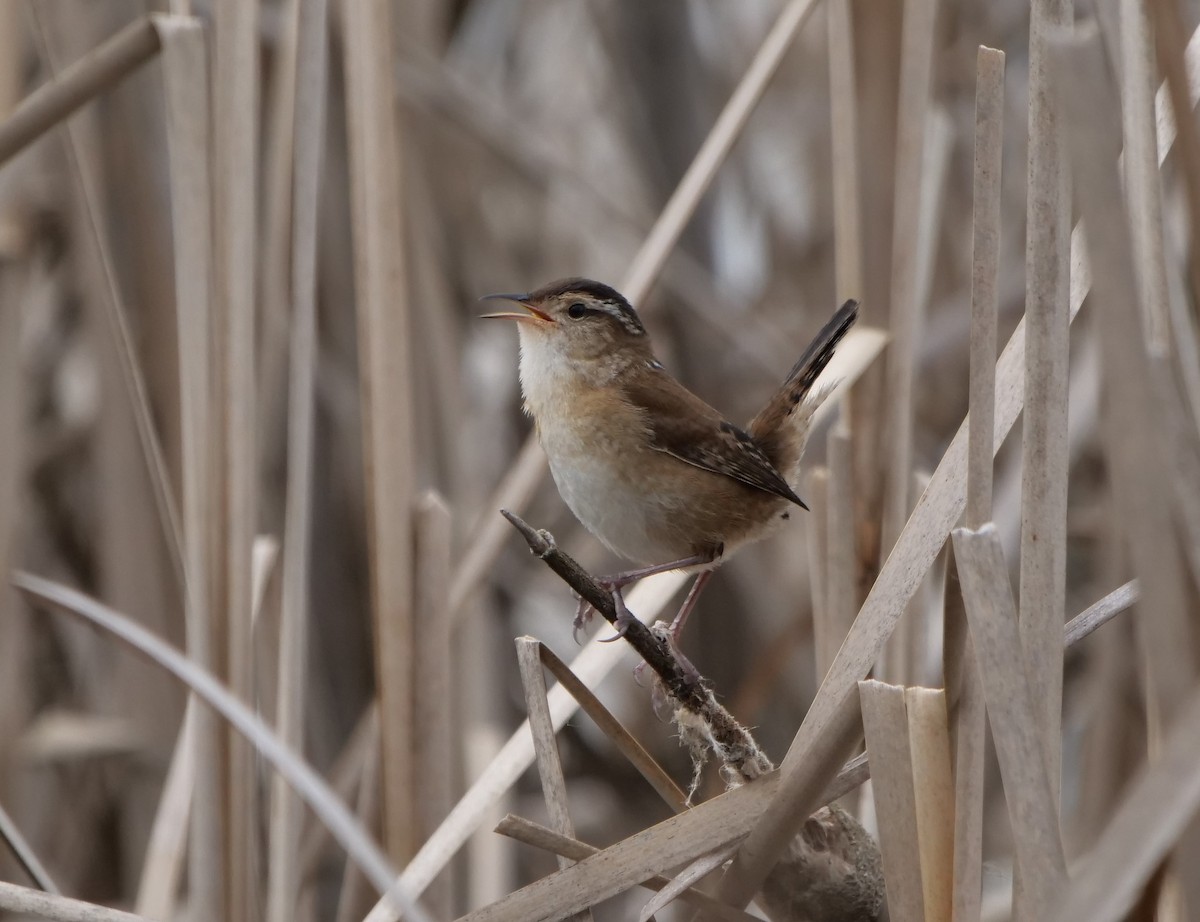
(782, 428)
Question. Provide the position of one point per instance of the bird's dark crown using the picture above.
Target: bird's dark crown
(603, 296)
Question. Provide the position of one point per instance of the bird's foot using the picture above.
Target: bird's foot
(583, 617)
(625, 617)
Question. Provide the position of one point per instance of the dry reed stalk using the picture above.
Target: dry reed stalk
(826, 639)
(717, 823)
(705, 828)
(74, 86)
(1183, 323)
(625, 742)
(1044, 453)
(1141, 169)
(529, 467)
(235, 224)
(305, 781)
(843, 119)
(595, 661)
(985, 270)
(309, 121)
(116, 320)
(912, 180)
(545, 747)
(433, 643)
(351, 895)
(381, 293)
(530, 833)
(1169, 32)
(185, 79)
(275, 264)
(885, 722)
(1154, 813)
(1121, 599)
(1135, 439)
(929, 746)
(1012, 713)
(38, 905)
(167, 844)
(961, 671)
(26, 857)
(345, 778)
(828, 728)
(841, 559)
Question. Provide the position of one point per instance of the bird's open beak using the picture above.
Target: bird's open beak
(534, 315)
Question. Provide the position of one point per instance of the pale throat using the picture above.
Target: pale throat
(549, 376)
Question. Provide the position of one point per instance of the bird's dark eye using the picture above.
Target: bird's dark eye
(577, 311)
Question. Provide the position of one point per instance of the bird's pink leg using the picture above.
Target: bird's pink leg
(618, 581)
(688, 604)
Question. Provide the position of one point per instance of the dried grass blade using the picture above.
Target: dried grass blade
(185, 84)
(116, 318)
(523, 830)
(910, 251)
(235, 171)
(843, 116)
(1152, 816)
(929, 746)
(310, 78)
(594, 662)
(1141, 169)
(1121, 599)
(968, 728)
(1028, 784)
(545, 747)
(168, 836)
(886, 724)
(382, 304)
(625, 742)
(433, 697)
(76, 85)
(1133, 437)
(834, 712)
(58, 908)
(25, 855)
(307, 783)
(1044, 454)
(683, 881)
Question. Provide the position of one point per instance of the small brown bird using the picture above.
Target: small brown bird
(649, 468)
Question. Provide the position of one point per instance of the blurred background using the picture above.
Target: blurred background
(534, 140)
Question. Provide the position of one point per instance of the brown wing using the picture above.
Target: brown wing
(683, 425)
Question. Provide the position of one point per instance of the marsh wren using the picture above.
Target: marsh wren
(654, 472)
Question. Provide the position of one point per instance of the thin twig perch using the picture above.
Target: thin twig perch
(737, 750)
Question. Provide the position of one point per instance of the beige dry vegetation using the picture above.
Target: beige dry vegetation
(250, 428)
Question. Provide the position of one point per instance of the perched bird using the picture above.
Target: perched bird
(649, 468)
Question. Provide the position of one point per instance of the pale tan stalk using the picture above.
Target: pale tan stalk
(909, 252)
(235, 225)
(290, 708)
(38, 905)
(933, 788)
(434, 677)
(1044, 435)
(308, 784)
(843, 119)
(74, 86)
(381, 292)
(545, 747)
(885, 722)
(962, 673)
